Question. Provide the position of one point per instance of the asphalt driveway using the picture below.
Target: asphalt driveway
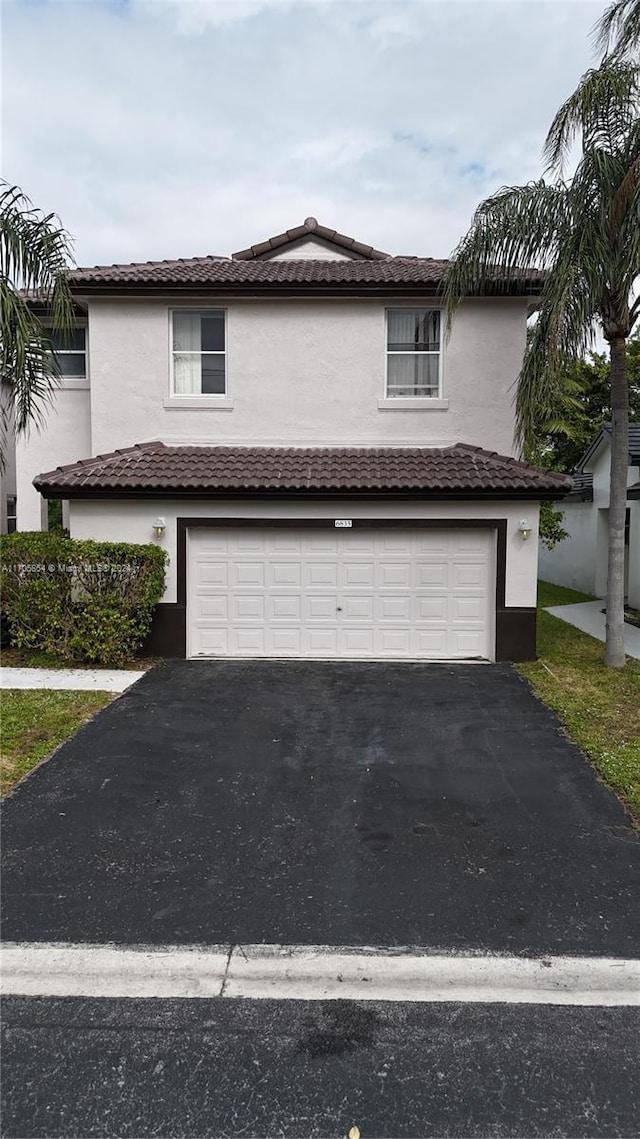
(317, 803)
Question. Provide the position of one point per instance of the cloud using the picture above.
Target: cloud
(167, 128)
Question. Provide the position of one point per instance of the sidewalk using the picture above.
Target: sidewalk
(588, 617)
(67, 679)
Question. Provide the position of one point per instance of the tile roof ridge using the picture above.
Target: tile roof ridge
(311, 227)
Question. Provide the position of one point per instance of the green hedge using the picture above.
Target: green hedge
(82, 601)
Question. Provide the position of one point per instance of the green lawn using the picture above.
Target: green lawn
(35, 721)
(549, 595)
(599, 707)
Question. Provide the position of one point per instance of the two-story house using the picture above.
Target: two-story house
(331, 474)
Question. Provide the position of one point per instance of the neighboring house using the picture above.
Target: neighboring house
(330, 475)
(580, 561)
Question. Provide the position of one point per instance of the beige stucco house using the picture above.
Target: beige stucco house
(330, 475)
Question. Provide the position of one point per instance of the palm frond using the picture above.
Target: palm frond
(516, 228)
(35, 253)
(28, 367)
(602, 109)
(617, 33)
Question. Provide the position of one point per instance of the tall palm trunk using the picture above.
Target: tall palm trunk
(615, 654)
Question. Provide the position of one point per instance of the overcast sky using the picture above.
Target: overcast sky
(174, 128)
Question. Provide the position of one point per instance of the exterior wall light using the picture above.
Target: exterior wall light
(159, 527)
(525, 529)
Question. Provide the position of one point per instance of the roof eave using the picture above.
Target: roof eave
(533, 494)
(85, 292)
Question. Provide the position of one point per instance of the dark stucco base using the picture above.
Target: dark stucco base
(515, 634)
(168, 636)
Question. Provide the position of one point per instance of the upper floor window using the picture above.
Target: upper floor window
(70, 352)
(413, 353)
(12, 514)
(198, 351)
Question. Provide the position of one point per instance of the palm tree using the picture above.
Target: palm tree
(35, 253)
(617, 33)
(584, 232)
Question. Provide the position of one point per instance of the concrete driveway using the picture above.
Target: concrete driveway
(317, 803)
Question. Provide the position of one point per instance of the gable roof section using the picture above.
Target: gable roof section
(154, 468)
(309, 228)
(604, 435)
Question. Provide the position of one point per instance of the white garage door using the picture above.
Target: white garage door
(359, 593)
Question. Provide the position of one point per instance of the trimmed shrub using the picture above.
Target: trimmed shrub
(84, 601)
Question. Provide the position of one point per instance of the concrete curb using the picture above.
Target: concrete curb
(310, 973)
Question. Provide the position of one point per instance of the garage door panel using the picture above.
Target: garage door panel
(431, 574)
(358, 642)
(249, 641)
(321, 574)
(468, 608)
(213, 606)
(432, 642)
(287, 574)
(247, 573)
(248, 607)
(285, 607)
(248, 542)
(395, 607)
(467, 643)
(400, 546)
(395, 642)
(212, 642)
(214, 574)
(394, 575)
(360, 608)
(432, 607)
(321, 607)
(323, 642)
(360, 574)
(373, 594)
(466, 574)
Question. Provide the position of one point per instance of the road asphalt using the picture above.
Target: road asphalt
(195, 1069)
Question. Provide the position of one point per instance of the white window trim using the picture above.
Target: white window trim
(413, 403)
(199, 401)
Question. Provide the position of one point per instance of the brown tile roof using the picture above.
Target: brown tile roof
(416, 273)
(156, 468)
(310, 228)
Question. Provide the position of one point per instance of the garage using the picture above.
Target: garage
(351, 553)
(339, 591)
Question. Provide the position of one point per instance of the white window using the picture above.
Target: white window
(12, 512)
(70, 352)
(413, 353)
(198, 353)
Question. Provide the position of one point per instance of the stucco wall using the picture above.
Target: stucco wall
(303, 372)
(634, 555)
(573, 562)
(64, 438)
(122, 520)
(580, 562)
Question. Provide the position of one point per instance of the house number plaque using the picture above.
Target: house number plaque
(343, 522)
